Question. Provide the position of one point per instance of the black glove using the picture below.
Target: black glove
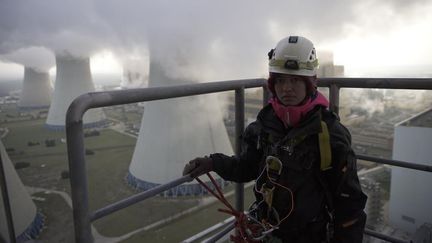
(198, 166)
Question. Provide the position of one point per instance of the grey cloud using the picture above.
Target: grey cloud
(184, 29)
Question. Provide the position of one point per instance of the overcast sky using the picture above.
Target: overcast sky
(221, 39)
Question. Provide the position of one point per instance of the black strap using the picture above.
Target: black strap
(329, 204)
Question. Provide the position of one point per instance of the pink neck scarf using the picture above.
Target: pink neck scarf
(292, 115)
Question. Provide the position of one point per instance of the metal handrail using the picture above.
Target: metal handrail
(409, 165)
(82, 217)
(228, 228)
(80, 105)
(109, 209)
(75, 139)
(383, 236)
(74, 125)
(377, 83)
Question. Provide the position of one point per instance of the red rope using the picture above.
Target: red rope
(219, 194)
(242, 225)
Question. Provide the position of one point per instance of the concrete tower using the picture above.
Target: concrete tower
(173, 132)
(73, 79)
(36, 89)
(27, 222)
(410, 193)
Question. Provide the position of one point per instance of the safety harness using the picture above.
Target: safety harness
(325, 148)
(249, 228)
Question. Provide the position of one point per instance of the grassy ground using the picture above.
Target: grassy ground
(189, 225)
(46, 163)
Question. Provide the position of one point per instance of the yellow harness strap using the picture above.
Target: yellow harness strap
(324, 145)
(274, 170)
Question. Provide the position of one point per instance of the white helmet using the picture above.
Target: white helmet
(294, 55)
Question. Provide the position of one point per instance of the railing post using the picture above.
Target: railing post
(334, 98)
(6, 203)
(78, 180)
(239, 119)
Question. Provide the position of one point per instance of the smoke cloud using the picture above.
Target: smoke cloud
(195, 39)
(38, 58)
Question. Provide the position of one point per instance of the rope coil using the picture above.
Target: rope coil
(249, 230)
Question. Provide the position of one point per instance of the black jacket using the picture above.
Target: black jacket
(312, 189)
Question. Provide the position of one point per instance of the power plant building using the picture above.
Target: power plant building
(173, 132)
(27, 221)
(326, 65)
(36, 89)
(410, 194)
(73, 79)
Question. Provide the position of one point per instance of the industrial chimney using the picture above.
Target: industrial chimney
(36, 89)
(73, 79)
(27, 222)
(173, 132)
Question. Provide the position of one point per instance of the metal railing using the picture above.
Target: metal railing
(75, 139)
(75, 142)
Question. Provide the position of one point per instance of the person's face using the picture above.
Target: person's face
(290, 89)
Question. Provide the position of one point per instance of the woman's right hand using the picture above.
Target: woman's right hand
(198, 166)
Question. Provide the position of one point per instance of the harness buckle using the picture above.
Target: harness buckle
(274, 167)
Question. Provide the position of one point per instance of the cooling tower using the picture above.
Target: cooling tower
(27, 222)
(173, 132)
(36, 89)
(73, 78)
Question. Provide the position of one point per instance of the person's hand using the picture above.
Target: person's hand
(198, 166)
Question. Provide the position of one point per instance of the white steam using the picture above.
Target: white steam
(198, 39)
(38, 58)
